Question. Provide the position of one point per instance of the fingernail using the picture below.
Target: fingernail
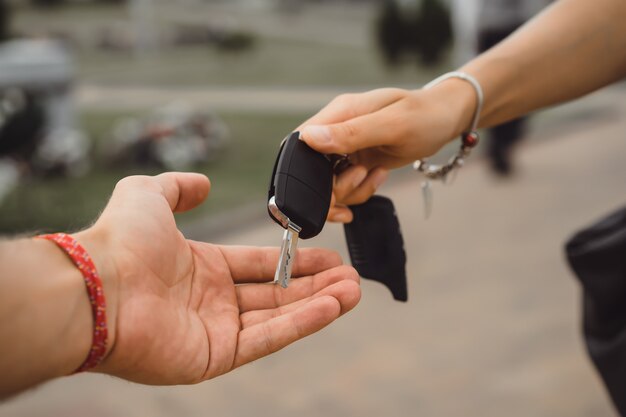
(319, 134)
(380, 177)
(342, 217)
(358, 178)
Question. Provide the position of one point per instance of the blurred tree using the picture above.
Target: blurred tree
(390, 32)
(433, 31)
(4, 20)
(47, 3)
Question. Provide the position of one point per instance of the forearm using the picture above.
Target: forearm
(45, 316)
(572, 48)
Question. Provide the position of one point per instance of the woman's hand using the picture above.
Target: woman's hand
(384, 129)
(176, 311)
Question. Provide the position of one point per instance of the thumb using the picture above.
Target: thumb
(183, 191)
(328, 139)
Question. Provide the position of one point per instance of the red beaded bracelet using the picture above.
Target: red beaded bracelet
(85, 265)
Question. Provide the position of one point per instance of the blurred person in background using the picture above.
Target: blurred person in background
(497, 19)
(479, 25)
(572, 48)
(131, 297)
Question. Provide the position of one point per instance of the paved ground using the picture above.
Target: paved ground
(491, 327)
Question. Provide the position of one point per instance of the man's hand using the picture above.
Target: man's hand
(176, 311)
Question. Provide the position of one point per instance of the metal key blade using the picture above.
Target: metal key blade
(287, 255)
(427, 197)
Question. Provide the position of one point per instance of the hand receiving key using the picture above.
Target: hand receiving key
(299, 198)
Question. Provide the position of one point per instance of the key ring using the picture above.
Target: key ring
(469, 139)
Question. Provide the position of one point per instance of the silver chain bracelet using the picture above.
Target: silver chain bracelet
(469, 139)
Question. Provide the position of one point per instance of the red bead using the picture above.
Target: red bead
(470, 139)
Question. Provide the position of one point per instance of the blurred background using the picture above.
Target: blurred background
(99, 89)
(95, 90)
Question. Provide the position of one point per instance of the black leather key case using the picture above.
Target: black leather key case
(302, 186)
(376, 246)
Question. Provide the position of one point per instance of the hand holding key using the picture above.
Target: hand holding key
(384, 129)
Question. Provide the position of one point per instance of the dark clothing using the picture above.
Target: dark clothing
(598, 257)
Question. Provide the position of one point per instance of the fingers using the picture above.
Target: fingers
(342, 291)
(183, 191)
(331, 128)
(366, 189)
(348, 106)
(340, 214)
(354, 186)
(383, 127)
(259, 297)
(274, 334)
(253, 264)
(349, 180)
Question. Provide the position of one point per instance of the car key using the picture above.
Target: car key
(299, 198)
(376, 246)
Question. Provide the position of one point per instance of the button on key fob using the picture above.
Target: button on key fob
(299, 198)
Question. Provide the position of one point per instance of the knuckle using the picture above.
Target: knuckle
(393, 92)
(132, 181)
(277, 293)
(350, 274)
(403, 123)
(344, 99)
(410, 103)
(245, 320)
(334, 258)
(344, 104)
(297, 327)
(268, 339)
(349, 130)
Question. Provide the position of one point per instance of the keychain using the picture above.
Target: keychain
(469, 139)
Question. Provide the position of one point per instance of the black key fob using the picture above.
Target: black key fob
(376, 246)
(301, 187)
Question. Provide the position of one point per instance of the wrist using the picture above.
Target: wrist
(458, 100)
(45, 317)
(96, 243)
(67, 284)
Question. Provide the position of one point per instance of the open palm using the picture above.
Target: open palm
(177, 313)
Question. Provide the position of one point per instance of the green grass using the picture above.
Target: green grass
(240, 177)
